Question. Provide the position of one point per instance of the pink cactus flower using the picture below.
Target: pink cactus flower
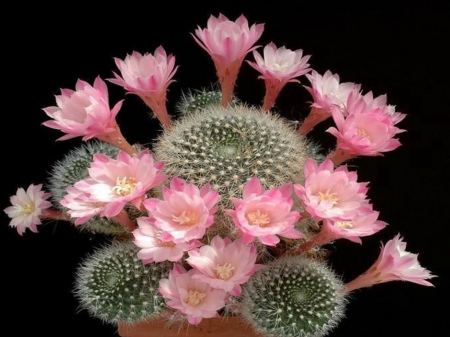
(327, 91)
(27, 207)
(364, 224)
(265, 214)
(195, 299)
(153, 249)
(278, 67)
(112, 183)
(228, 43)
(81, 207)
(224, 264)
(381, 102)
(366, 131)
(185, 211)
(393, 264)
(332, 194)
(148, 76)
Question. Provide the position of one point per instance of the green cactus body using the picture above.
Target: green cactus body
(115, 286)
(227, 146)
(293, 297)
(198, 100)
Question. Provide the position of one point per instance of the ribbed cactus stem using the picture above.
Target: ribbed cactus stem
(293, 296)
(115, 286)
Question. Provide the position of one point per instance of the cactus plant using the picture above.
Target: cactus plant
(293, 296)
(115, 286)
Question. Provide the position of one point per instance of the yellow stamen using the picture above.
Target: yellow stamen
(28, 208)
(195, 297)
(257, 218)
(328, 196)
(344, 224)
(224, 271)
(186, 218)
(361, 133)
(124, 186)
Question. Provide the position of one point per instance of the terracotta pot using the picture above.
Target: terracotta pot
(232, 326)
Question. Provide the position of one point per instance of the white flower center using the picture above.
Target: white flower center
(257, 218)
(224, 271)
(124, 186)
(186, 218)
(280, 67)
(328, 196)
(195, 297)
(27, 208)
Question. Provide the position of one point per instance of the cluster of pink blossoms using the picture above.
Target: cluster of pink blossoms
(177, 223)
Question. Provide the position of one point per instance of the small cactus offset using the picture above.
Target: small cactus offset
(230, 210)
(293, 297)
(74, 167)
(198, 100)
(115, 286)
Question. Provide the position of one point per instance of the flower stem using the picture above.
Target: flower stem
(159, 108)
(273, 89)
(116, 138)
(315, 117)
(54, 215)
(338, 156)
(123, 219)
(367, 279)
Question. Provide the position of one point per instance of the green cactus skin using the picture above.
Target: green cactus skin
(115, 286)
(196, 100)
(293, 297)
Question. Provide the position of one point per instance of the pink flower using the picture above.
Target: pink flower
(361, 225)
(265, 214)
(195, 299)
(112, 183)
(224, 264)
(153, 249)
(81, 206)
(280, 64)
(388, 110)
(393, 264)
(148, 76)
(278, 67)
(83, 112)
(185, 212)
(365, 131)
(27, 207)
(228, 43)
(332, 194)
(327, 92)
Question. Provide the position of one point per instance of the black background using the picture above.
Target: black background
(398, 48)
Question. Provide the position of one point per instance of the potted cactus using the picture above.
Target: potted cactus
(220, 226)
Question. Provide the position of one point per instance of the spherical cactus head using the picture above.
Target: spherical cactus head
(115, 286)
(293, 296)
(226, 147)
